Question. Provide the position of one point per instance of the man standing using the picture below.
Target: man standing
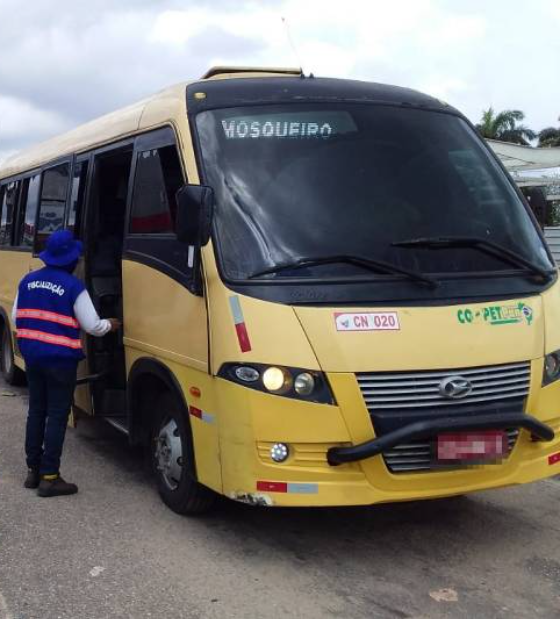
(50, 308)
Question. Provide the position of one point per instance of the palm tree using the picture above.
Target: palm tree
(503, 126)
(550, 136)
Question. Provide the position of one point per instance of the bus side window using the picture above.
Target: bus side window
(26, 231)
(2, 194)
(158, 175)
(157, 179)
(9, 204)
(52, 204)
(79, 182)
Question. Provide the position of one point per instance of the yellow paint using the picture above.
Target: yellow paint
(429, 337)
(194, 336)
(162, 318)
(14, 265)
(275, 331)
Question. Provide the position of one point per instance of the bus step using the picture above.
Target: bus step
(91, 378)
(119, 422)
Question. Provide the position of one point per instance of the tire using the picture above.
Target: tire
(172, 459)
(11, 373)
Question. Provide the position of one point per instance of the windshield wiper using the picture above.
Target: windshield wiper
(370, 264)
(494, 249)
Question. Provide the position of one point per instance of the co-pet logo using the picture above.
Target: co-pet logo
(497, 315)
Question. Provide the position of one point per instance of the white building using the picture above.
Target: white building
(531, 166)
(535, 167)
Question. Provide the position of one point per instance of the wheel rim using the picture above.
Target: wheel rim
(6, 354)
(169, 453)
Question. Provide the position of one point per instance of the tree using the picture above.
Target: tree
(550, 136)
(503, 126)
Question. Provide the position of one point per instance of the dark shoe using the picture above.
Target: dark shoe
(52, 488)
(33, 479)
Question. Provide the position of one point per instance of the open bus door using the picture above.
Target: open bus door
(83, 403)
(102, 384)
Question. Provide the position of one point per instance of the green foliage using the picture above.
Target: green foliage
(553, 213)
(504, 126)
(550, 136)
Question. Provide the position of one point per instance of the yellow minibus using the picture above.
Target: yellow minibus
(332, 292)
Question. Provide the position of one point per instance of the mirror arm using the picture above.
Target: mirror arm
(195, 266)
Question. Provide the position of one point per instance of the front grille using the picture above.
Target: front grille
(417, 455)
(395, 399)
(413, 390)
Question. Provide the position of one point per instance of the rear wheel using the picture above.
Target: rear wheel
(173, 460)
(11, 373)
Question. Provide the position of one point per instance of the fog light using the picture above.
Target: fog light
(276, 379)
(279, 452)
(304, 384)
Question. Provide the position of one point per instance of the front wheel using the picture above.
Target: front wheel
(173, 460)
(11, 373)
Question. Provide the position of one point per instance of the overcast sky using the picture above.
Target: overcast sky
(64, 62)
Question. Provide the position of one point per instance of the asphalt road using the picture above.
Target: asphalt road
(115, 550)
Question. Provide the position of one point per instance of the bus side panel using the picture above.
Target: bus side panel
(162, 317)
(13, 266)
(164, 321)
(551, 307)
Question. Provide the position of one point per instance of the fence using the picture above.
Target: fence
(552, 235)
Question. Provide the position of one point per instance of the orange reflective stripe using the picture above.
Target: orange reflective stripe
(63, 341)
(45, 315)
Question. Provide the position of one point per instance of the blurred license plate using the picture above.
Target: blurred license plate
(479, 446)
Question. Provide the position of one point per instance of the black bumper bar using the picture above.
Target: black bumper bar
(416, 430)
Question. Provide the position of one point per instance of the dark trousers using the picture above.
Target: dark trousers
(51, 388)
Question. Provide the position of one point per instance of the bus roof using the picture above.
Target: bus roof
(256, 89)
(258, 85)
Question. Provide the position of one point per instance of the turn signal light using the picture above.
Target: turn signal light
(551, 367)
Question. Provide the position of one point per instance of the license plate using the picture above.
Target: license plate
(472, 447)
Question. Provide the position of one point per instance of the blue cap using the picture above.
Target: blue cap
(62, 249)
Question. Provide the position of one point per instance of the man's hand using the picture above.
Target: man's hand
(115, 324)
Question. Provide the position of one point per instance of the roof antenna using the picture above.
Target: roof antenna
(292, 44)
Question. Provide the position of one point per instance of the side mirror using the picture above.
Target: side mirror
(195, 207)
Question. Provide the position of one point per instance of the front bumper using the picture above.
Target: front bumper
(416, 430)
(250, 422)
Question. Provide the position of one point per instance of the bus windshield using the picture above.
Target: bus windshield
(298, 182)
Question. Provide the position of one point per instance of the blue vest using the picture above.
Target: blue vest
(47, 329)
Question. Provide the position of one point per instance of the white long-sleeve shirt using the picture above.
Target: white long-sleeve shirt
(86, 315)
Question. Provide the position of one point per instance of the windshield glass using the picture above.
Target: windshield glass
(325, 180)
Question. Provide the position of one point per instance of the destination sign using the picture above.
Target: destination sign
(299, 125)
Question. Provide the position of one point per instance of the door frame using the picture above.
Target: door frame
(87, 233)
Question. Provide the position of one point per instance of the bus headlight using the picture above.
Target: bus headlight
(310, 385)
(277, 380)
(551, 367)
(304, 384)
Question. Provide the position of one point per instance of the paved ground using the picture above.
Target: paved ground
(114, 550)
